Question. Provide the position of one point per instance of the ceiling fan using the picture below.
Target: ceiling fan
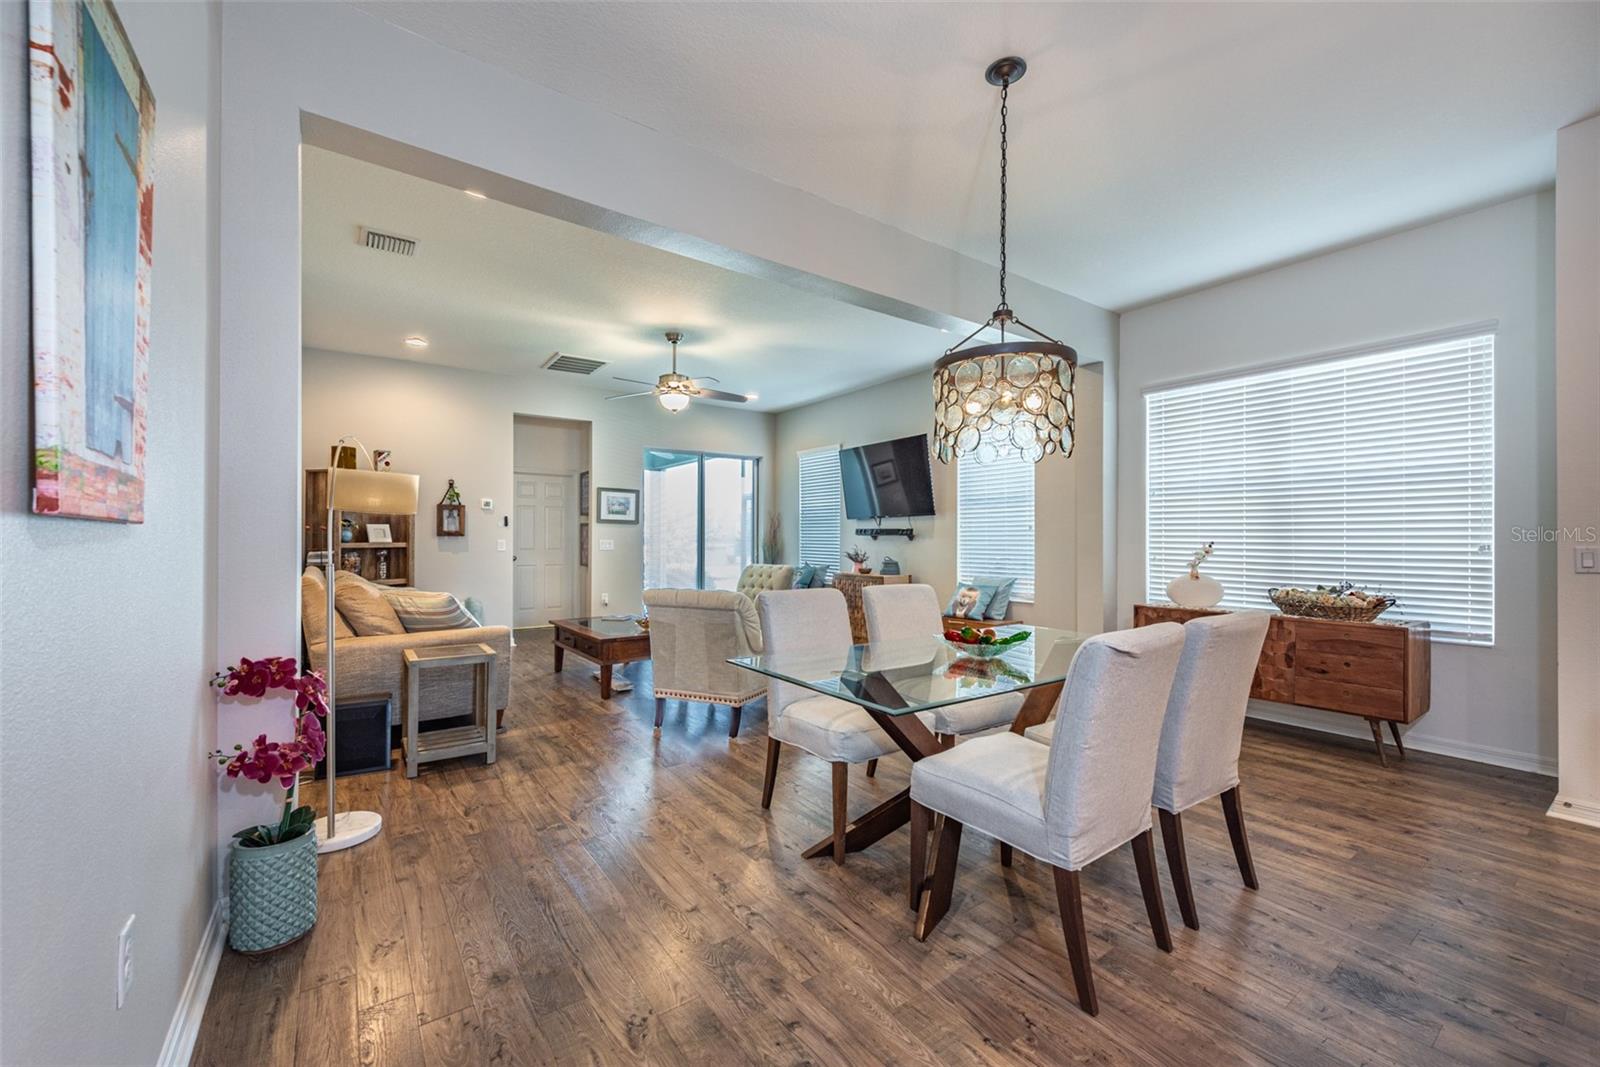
(673, 391)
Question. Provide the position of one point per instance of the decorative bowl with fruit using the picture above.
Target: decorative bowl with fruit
(984, 641)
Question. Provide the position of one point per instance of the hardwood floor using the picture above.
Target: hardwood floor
(600, 895)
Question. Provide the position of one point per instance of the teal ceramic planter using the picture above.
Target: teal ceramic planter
(272, 893)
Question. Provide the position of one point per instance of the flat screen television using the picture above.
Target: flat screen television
(890, 478)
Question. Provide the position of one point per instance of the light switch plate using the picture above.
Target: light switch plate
(500, 545)
(1586, 559)
(606, 546)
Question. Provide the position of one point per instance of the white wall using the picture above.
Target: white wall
(445, 423)
(1493, 704)
(1067, 496)
(1578, 465)
(107, 630)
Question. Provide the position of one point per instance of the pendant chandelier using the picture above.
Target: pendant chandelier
(1013, 398)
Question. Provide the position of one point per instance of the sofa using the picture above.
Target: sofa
(374, 665)
(758, 578)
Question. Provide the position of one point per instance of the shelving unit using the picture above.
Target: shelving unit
(366, 553)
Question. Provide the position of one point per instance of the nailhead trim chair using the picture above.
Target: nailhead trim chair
(693, 633)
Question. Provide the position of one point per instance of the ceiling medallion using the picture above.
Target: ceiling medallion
(1013, 398)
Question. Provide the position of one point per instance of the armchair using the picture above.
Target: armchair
(693, 633)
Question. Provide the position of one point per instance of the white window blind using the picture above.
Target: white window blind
(994, 521)
(821, 507)
(1375, 468)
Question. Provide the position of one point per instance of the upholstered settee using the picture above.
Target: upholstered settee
(374, 665)
(757, 578)
(693, 632)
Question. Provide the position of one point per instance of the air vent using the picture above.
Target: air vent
(379, 241)
(561, 361)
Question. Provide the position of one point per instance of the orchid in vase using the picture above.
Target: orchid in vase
(265, 761)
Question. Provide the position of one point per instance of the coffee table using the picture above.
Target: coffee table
(603, 642)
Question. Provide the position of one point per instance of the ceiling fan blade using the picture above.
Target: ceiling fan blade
(706, 378)
(718, 394)
(630, 396)
(632, 381)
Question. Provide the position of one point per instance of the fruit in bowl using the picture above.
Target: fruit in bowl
(984, 640)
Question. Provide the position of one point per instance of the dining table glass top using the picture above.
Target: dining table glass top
(901, 675)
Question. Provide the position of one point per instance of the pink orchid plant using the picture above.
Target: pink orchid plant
(265, 761)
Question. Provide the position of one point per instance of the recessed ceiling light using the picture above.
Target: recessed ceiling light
(414, 341)
(752, 396)
(475, 194)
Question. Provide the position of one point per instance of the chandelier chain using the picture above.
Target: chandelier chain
(1005, 90)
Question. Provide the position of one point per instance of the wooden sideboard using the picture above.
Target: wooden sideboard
(1380, 671)
(850, 584)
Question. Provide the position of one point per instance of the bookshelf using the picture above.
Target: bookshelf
(393, 559)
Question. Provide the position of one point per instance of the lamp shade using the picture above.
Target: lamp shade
(378, 492)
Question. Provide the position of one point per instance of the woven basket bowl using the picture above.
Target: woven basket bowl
(1311, 606)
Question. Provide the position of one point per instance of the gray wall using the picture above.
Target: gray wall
(1493, 704)
(107, 630)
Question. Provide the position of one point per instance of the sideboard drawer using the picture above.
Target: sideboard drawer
(1334, 693)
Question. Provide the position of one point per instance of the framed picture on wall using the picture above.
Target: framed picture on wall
(91, 135)
(618, 506)
(583, 495)
(583, 544)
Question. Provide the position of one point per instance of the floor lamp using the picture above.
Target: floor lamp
(374, 492)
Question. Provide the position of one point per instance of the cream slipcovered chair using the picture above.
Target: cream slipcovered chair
(900, 611)
(1199, 755)
(693, 633)
(757, 578)
(813, 626)
(1069, 803)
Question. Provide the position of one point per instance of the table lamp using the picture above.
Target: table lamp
(374, 492)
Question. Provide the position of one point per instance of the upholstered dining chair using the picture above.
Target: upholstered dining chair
(1069, 803)
(693, 634)
(1200, 739)
(898, 611)
(814, 624)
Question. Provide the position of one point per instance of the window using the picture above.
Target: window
(1376, 468)
(994, 521)
(821, 507)
(699, 518)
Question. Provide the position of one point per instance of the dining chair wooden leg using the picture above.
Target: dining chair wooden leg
(1178, 865)
(1232, 811)
(841, 807)
(1144, 857)
(936, 901)
(661, 711)
(772, 772)
(733, 727)
(1006, 854)
(1069, 899)
(872, 768)
(921, 823)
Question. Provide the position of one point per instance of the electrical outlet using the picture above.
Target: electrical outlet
(124, 961)
(605, 600)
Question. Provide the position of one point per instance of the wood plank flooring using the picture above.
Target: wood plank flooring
(600, 895)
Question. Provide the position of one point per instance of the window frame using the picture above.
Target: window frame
(1021, 594)
(1463, 334)
(700, 504)
(800, 509)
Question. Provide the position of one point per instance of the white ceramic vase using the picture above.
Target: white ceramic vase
(1194, 591)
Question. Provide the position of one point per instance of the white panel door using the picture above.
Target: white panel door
(545, 564)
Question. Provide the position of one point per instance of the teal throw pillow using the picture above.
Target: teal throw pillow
(999, 604)
(803, 576)
(971, 600)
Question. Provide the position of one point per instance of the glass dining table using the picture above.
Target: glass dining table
(894, 678)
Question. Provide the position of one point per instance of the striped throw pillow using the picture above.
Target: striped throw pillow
(420, 612)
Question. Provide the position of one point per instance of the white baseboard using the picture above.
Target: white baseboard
(1345, 726)
(177, 1049)
(1583, 812)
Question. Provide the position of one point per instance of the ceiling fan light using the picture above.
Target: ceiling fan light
(673, 402)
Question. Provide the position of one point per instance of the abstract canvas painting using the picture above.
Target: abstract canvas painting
(92, 121)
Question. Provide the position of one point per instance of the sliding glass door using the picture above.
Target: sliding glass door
(699, 515)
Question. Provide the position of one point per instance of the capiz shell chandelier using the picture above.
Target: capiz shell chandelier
(1013, 398)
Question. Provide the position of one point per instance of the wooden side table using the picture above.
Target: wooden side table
(478, 738)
